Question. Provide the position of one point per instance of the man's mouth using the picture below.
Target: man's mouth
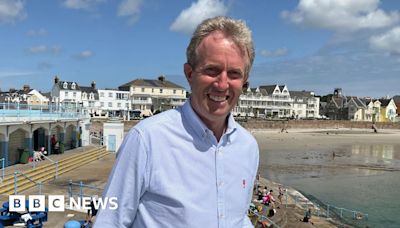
(218, 98)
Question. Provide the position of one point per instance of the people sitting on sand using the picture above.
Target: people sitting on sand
(307, 216)
(269, 198)
(259, 193)
(265, 191)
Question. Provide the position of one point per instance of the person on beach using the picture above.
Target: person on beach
(193, 166)
(307, 216)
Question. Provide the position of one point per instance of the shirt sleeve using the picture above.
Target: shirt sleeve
(127, 183)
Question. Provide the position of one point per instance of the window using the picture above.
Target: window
(73, 85)
(109, 104)
(161, 90)
(91, 96)
(65, 85)
(101, 94)
(142, 90)
(84, 95)
(152, 90)
(110, 95)
(127, 105)
(101, 104)
(74, 94)
(174, 91)
(119, 105)
(182, 91)
(66, 93)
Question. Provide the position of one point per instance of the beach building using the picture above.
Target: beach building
(396, 100)
(340, 107)
(24, 129)
(148, 95)
(372, 112)
(388, 111)
(113, 103)
(66, 94)
(305, 104)
(271, 101)
(90, 99)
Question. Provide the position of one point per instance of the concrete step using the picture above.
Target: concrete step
(48, 172)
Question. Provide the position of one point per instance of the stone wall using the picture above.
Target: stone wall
(319, 124)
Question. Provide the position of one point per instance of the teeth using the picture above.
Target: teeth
(218, 98)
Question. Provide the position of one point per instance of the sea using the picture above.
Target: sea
(362, 177)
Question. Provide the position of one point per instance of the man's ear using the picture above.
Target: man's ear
(188, 70)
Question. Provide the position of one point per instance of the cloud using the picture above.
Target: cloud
(274, 53)
(38, 32)
(341, 15)
(388, 42)
(358, 72)
(12, 73)
(43, 49)
(84, 54)
(11, 11)
(82, 4)
(131, 9)
(44, 66)
(189, 18)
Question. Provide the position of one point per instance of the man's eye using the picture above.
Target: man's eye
(212, 71)
(235, 74)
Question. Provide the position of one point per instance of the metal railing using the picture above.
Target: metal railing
(81, 189)
(2, 169)
(261, 217)
(26, 177)
(24, 112)
(344, 214)
(55, 163)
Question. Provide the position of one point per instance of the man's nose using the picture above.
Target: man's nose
(222, 82)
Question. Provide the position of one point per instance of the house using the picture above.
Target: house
(396, 100)
(150, 95)
(305, 104)
(339, 107)
(66, 94)
(388, 111)
(113, 103)
(90, 98)
(36, 98)
(265, 101)
(372, 112)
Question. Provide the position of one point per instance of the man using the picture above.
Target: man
(193, 166)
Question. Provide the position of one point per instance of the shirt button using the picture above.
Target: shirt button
(220, 183)
(221, 216)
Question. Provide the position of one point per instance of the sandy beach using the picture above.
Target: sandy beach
(326, 163)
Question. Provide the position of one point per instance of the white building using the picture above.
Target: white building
(114, 103)
(305, 104)
(90, 99)
(271, 101)
(66, 94)
(148, 96)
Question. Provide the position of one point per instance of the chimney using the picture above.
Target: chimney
(337, 92)
(161, 78)
(93, 85)
(26, 88)
(56, 79)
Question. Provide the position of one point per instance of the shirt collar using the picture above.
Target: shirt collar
(197, 124)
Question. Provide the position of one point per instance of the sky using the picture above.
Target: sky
(314, 45)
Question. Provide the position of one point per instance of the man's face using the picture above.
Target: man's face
(218, 77)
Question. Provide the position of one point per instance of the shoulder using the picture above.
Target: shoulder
(165, 118)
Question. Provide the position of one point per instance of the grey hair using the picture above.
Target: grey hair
(237, 30)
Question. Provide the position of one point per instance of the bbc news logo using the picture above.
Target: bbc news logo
(37, 203)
